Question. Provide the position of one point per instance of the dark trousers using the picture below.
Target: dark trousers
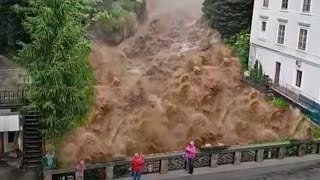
(189, 165)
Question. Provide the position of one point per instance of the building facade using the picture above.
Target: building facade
(285, 40)
(10, 131)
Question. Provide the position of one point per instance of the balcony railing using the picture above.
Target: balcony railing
(12, 97)
(163, 163)
(310, 105)
(297, 95)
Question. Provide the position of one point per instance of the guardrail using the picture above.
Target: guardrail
(297, 95)
(163, 163)
(12, 97)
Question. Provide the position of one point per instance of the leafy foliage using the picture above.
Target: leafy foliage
(278, 102)
(11, 30)
(56, 60)
(118, 20)
(240, 44)
(315, 131)
(229, 17)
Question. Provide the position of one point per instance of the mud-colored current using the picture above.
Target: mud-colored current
(171, 83)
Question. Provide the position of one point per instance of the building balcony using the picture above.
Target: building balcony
(12, 98)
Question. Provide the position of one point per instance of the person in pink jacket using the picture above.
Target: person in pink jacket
(190, 154)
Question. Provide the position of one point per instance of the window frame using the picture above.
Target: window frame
(299, 75)
(263, 26)
(306, 8)
(303, 39)
(284, 34)
(286, 3)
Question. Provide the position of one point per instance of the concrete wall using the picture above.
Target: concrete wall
(265, 48)
(10, 122)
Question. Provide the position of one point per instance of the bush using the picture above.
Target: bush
(240, 44)
(119, 20)
(315, 131)
(278, 102)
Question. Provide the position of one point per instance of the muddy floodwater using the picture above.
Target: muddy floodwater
(171, 83)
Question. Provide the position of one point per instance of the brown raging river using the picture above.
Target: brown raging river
(171, 83)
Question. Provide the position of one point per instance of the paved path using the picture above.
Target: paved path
(299, 171)
(11, 172)
(303, 168)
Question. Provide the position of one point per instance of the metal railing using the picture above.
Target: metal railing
(297, 95)
(262, 85)
(12, 97)
(162, 163)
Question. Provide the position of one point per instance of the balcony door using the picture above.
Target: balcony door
(277, 73)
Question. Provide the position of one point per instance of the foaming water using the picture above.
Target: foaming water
(171, 83)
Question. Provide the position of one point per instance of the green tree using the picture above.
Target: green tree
(56, 60)
(11, 30)
(229, 17)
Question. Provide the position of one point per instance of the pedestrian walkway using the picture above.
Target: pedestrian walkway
(221, 170)
(11, 171)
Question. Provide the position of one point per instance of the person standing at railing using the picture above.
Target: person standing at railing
(137, 166)
(190, 153)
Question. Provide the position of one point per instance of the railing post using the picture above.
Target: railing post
(237, 158)
(318, 148)
(79, 175)
(282, 152)
(214, 160)
(164, 166)
(47, 176)
(259, 155)
(109, 172)
(301, 150)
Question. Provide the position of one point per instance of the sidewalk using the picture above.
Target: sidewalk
(228, 168)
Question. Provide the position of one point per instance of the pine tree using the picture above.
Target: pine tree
(229, 17)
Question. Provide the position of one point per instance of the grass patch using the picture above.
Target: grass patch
(278, 102)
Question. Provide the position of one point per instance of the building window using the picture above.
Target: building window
(266, 3)
(264, 26)
(281, 33)
(302, 44)
(306, 5)
(284, 4)
(299, 78)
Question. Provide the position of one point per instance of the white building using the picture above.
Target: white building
(10, 131)
(285, 39)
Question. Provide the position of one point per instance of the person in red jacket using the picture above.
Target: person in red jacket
(137, 166)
